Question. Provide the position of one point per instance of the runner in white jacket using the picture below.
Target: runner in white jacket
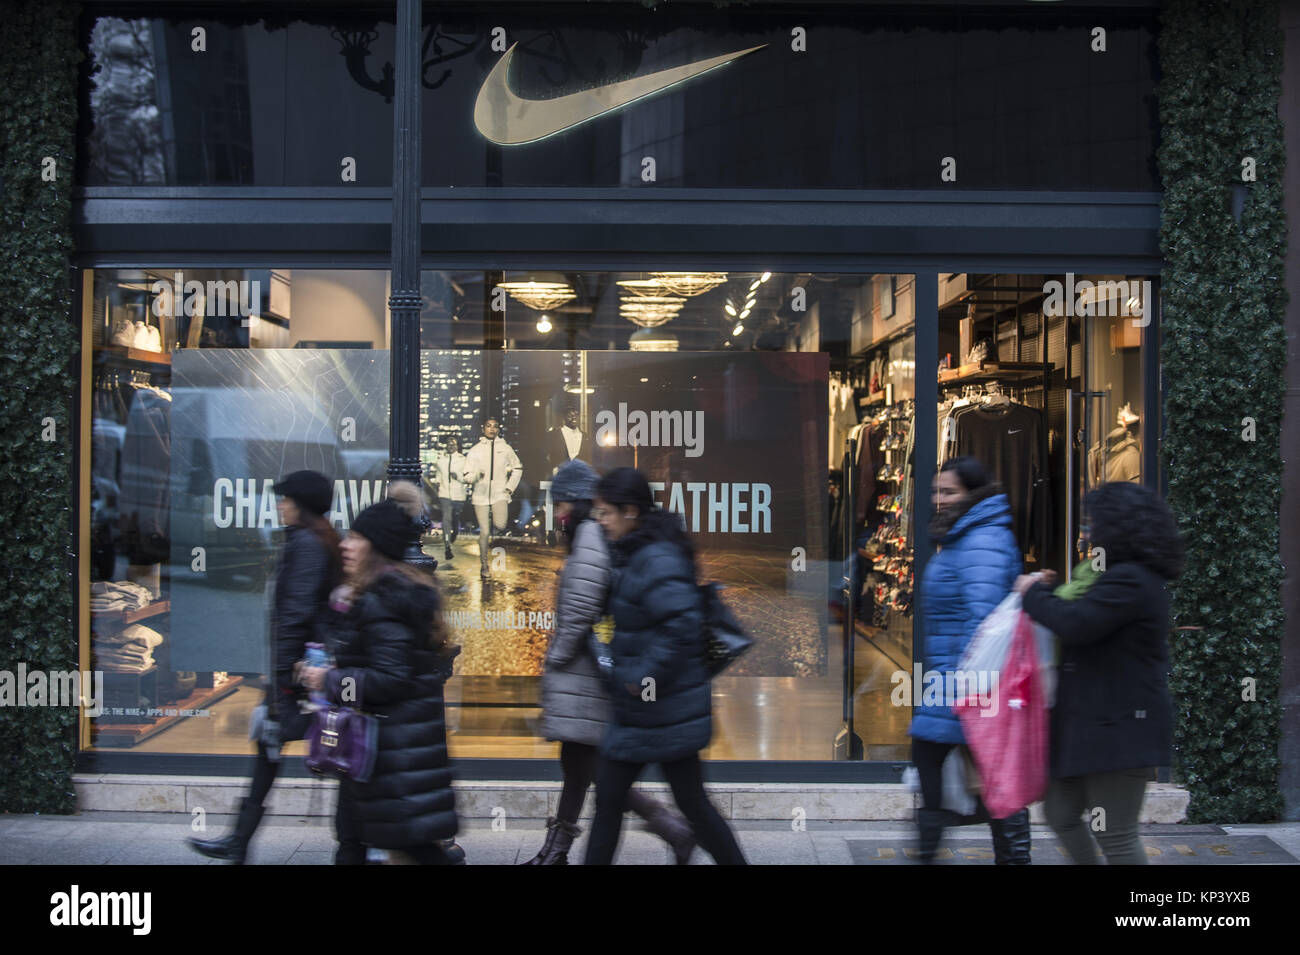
(448, 469)
(495, 470)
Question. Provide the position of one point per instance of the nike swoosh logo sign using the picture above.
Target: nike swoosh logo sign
(510, 120)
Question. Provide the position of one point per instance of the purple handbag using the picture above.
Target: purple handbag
(343, 743)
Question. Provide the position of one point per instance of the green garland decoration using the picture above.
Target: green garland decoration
(1224, 356)
(38, 119)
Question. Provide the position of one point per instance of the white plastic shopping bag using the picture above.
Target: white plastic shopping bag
(956, 790)
(987, 652)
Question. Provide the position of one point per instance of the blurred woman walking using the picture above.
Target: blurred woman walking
(654, 666)
(392, 658)
(1113, 718)
(973, 570)
(575, 703)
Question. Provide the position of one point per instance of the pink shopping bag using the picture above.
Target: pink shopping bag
(1006, 729)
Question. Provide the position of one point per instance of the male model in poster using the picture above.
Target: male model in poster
(567, 442)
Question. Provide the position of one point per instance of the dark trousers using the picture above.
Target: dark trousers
(614, 780)
(347, 828)
(928, 757)
(578, 763)
(1112, 803)
(264, 775)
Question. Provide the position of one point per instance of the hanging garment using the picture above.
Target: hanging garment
(1008, 440)
(844, 416)
(1123, 456)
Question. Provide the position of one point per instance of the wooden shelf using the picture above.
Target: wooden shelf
(124, 618)
(991, 371)
(873, 398)
(121, 354)
(129, 734)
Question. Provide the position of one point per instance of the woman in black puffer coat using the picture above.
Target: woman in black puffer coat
(1112, 724)
(391, 660)
(654, 667)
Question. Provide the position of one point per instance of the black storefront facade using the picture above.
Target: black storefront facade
(822, 204)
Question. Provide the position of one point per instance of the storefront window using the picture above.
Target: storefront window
(740, 394)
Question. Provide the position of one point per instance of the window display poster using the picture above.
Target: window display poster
(734, 443)
(241, 419)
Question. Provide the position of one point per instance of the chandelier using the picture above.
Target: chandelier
(642, 286)
(651, 310)
(542, 296)
(689, 283)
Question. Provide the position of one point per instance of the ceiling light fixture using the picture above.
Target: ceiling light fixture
(542, 296)
(689, 283)
(738, 329)
(642, 286)
(651, 310)
(544, 325)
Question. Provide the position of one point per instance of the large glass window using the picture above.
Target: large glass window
(622, 96)
(772, 411)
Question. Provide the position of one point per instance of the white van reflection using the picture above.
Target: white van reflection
(248, 436)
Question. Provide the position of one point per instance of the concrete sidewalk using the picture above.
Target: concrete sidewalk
(142, 838)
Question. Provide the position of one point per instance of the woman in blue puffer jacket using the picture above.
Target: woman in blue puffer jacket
(974, 567)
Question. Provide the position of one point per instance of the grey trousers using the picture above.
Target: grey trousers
(484, 532)
(1104, 806)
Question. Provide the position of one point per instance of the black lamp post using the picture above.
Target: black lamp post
(404, 300)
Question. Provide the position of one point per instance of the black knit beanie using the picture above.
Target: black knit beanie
(387, 527)
(307, 489)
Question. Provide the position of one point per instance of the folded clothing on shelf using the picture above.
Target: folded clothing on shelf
(115, 659)
(134, 635)
(131, 650)
(107, 595)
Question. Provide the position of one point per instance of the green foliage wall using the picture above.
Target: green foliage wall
(38, 119)
(1224, 357)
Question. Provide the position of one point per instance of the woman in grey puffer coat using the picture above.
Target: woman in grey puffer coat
(575, 706)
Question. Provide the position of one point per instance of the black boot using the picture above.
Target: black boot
(664, 823)
(234, 847)
(1011, 839)
(929, 824)
(453, 851)
(447, 552)
(555, 850)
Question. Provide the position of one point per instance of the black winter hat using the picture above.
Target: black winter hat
(388, 528)
(575, 481)
(307, 489)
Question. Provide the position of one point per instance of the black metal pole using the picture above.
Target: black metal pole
(404, 298)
